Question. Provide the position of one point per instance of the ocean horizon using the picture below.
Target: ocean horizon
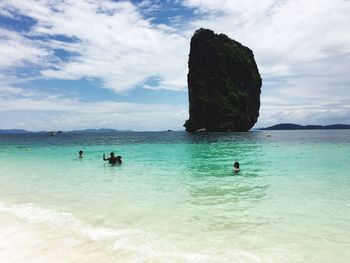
(176, 198)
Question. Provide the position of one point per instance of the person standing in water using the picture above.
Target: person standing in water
(81, 154)
(236, 167)
(112, 159)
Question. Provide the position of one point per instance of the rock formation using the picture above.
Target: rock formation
(223, 84)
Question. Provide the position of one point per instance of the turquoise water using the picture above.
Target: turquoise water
(175, 197)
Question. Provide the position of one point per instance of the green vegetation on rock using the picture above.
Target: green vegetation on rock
(223, 83)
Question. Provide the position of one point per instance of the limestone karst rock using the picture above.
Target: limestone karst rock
(223, 84)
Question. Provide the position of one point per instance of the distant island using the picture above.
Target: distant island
(281, 126)
(21, 131)
(14, 131)
(292, 126)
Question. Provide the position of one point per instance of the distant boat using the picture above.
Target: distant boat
(51, 133)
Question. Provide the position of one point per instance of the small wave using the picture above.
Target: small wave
(35, 214)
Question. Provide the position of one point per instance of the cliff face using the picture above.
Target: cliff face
(223, 84)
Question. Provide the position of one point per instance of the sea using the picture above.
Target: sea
(175, 197)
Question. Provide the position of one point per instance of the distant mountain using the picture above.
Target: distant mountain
(98, 130)
(20, 131)
(292, 126)
(14, 131)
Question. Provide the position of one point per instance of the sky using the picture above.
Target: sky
(77, 64)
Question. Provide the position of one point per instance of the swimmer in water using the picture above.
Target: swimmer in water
(81, 154)
(236, 167)
(112, 159)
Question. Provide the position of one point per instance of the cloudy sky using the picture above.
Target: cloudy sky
(74, 64)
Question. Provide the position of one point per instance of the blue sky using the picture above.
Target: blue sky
(75, 64)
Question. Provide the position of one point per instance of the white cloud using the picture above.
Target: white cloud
(149, 6)
(73, 114)
(17, 51)
(114, 43)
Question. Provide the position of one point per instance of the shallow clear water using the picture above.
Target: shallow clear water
(175, 197)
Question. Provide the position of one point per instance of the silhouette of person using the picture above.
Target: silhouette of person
(112, 159)
(236, 168)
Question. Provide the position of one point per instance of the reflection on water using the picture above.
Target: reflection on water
(221, 197)
(228, 203)
(234, 194)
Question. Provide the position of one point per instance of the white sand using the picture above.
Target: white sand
(21, 241)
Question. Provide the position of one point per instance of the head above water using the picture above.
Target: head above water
(236, 165)
(80, 152)
(112, 154)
